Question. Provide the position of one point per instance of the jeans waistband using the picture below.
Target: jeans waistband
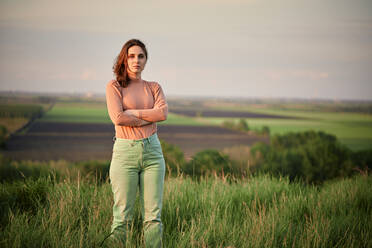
(149, 139)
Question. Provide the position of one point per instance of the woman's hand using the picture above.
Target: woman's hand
(144, 123)
(133, 112)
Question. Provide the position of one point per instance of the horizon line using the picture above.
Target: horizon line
(91, 94)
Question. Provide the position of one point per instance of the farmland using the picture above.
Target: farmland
(350, 123)
(68, 203)
(74, 141)
(81, 130)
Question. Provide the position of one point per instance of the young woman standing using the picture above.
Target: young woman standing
(134, 106)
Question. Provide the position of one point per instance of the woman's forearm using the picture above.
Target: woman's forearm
(151, 115)
(144, 123)
(159, 112)
(135, 113)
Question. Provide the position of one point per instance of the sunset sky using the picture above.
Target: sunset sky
(229, 48)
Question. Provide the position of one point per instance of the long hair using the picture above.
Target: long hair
(121, 63)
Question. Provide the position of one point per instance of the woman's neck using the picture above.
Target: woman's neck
(134, 77)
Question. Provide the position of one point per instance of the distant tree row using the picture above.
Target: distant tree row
(20, 110)
(242, 125)
(352, 108)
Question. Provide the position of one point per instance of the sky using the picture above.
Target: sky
(319, 49)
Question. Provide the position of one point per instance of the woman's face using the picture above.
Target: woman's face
(136, 59)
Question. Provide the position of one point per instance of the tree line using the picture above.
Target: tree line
(310, 156)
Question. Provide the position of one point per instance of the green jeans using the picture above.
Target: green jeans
(138, 164)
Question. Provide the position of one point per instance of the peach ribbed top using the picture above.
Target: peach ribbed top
(146, 96)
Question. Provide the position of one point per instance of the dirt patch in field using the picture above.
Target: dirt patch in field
(45, 141)
(192, 139)
(228, 114)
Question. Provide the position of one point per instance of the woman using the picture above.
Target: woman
(134, 106)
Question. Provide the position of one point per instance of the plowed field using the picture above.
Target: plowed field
(79, 141)
(229, 114)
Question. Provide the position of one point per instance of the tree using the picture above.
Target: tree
(311, 156)
(242, 125)
(206, 161)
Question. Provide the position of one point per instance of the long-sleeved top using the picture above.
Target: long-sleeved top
(146, 96)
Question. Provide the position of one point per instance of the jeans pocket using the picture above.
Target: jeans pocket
(125, 158)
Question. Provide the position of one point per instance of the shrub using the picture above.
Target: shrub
(207, 161)
(311, 156)
(228, 124)
(258, 153)
(242, 125)
(265, 130)
(362, 159)
(174, 158)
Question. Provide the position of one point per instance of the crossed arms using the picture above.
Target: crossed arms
(135, 117)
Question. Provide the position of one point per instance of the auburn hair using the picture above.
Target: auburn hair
(121, 61)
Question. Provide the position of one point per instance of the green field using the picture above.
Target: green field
(97, 113)
(65, 204)
(77, 112)
(352, 129)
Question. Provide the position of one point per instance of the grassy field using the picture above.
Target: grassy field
(253, 212)
(13, 124)
(77, 112)
(97, 113)
(352, 129)
(14, 115)
(75, 210)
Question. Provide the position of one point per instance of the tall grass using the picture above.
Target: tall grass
(259, 211)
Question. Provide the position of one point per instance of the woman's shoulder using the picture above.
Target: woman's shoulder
(113, 82)
(152, 84)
